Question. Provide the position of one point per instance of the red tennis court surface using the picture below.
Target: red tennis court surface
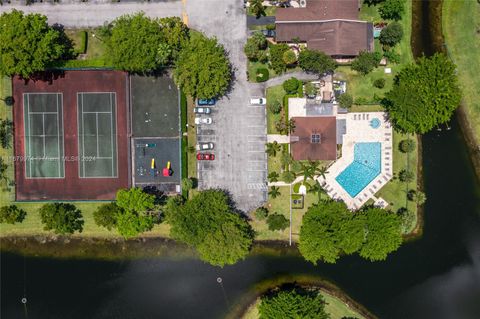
(49, 164)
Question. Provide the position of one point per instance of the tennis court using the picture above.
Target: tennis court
(44, 149)
(97, 131)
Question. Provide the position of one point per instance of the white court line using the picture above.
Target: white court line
(83, 140)
(111, 129)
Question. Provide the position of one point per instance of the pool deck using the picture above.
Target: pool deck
(360, 131)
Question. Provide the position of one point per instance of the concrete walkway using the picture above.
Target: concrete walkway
(282, 139)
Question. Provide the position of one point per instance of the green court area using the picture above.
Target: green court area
(44, 149)
(97, 131)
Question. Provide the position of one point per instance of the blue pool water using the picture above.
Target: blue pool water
(365, 167)
(375, 123)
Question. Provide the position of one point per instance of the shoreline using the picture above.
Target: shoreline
(244, 302)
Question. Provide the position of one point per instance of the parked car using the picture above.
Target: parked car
(205, 157)
(258, 101)
(204, 146)
(269, 33)
(203, 120)
(202, 110)
(201, 102)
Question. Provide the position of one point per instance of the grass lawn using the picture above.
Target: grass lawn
(395, 192)
(274, 93)
(6, 192)
(95, 55)
(461, 21)
(336, 308)
(252, 68)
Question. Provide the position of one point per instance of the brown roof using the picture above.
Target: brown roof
(304, 149)
(336, 38)
(320, 10)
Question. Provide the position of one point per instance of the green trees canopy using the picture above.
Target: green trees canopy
(383, 235)
(365, 62)
(12, 214)
(202, 69)
(255, 46)
(135, 43)
(175, 35)
(135, 216)
(62, 218)
(106, 215)
(316, 62)
(329, 229)
(28, 44)
(345, 100)
(276, 57)
(209, 223)
(294, 303)
(392, 9)
(291, 85)
(424, 95)
(391, 34)
(277, 222)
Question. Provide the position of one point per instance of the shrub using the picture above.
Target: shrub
(275, 107)
(310, 90)
(187, 184)
(276, 57)
(379, 83)
(255, 46)
(288, 176)
(366, 62)
(277, 222)
(391, 56)
(83, 42)
(291, 85)
(406, 146)
(270, 26)
(345, 100)
(262, 75)
(135, 199)
(289, 57)
(392, 9)
(406, 176)
(261, 213)
(12, 214)
(5, 132)
(62, 218)
(106, 215)
(391, 34)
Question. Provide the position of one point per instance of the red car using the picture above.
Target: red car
(205, 157)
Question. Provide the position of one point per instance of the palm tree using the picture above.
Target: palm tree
(291, 125)
(322, 171)
(273, 177)
(310, 170)
(257, 8)
(274, 192)
(420, 198)
(317, 189)
(273, 148)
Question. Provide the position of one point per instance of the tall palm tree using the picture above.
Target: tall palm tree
(273, 177)
(274, 192)
(273, 148)
(310, 170)
(322, 171)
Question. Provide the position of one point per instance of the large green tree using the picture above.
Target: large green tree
(209, 223)
(106, 215)
(424, 95)
(135, 199)
(62, 218)
(136, 43)
(392, 9)
(316, 62)
(383, 234)
(175, 35)
(391, 34)
(276, 57)
(28, 44)
(136, 213)
(365, 62)
(292, 303)
(12, 214)
(203, 69)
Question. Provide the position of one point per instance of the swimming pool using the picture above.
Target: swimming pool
(365, 167)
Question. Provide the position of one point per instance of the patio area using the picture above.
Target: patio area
(368, 128)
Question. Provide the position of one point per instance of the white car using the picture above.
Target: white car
(258, 101)
(205, 120)
(205, 146)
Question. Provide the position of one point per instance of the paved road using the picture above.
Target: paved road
(239, 130)
(93, 15)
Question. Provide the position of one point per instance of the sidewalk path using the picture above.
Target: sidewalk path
(282, 139)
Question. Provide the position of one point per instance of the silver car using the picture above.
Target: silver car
(202, 110)
(204, 146)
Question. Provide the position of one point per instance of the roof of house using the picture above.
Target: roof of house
(337, 37)
(330, 26)
(320, 10)
(302, 146)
